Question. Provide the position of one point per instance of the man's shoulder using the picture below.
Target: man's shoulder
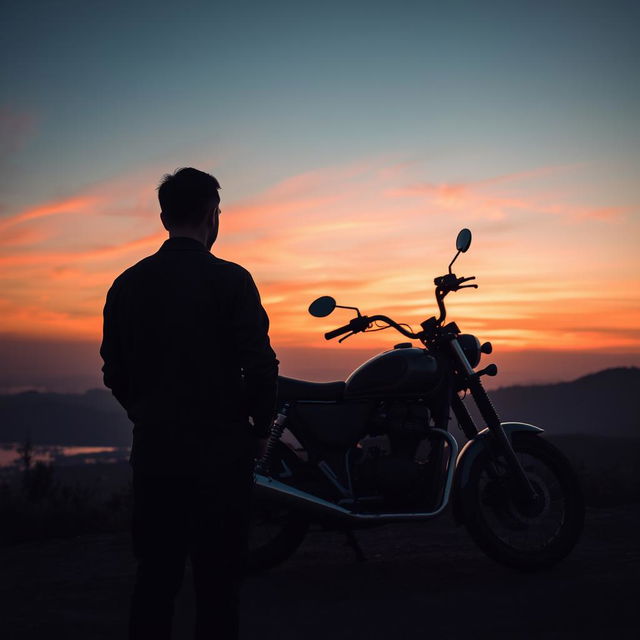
(230, 267)
(151, 263)
(134, 269)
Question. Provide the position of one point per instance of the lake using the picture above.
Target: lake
(63, 455)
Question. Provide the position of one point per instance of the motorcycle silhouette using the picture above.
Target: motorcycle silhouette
(376, 449)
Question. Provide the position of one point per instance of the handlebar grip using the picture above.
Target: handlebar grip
(337, 332)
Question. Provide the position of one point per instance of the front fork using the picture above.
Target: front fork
(488, 412)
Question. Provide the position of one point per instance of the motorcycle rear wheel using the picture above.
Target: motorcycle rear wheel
(525, 536)
(275, 531)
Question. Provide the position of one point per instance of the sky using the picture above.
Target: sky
(352, 141)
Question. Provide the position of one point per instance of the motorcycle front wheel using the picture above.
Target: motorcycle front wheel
(521, 534)
(275, 531)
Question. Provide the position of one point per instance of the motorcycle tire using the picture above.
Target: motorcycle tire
(527, 537)
(286, 528)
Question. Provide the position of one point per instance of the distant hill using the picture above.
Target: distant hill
(604, 404)
(93, 418)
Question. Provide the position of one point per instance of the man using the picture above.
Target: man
(186, 352)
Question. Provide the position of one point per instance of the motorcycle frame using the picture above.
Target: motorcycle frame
(442, 342)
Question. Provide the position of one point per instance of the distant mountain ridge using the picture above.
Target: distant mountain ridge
(603, 403)
(93, 418)
(606, 403)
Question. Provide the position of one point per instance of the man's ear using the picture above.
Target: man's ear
(164, 220)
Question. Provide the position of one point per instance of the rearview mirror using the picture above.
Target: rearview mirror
(322, 307)
(463, 241)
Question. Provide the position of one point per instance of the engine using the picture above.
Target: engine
(394, 461)
(402, 421)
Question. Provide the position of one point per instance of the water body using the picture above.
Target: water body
(62, 455)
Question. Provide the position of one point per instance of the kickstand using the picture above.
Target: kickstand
(352, 541)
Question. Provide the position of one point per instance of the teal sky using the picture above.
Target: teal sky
(261, 90)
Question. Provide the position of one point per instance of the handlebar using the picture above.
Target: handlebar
(450, 282)
(444, 285)
(337, 332)
(362, 322)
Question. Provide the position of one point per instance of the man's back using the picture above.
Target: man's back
(181, 329)
(186, 352)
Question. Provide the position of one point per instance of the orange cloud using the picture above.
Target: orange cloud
(21, 237)
(360, 234)
(37, 321)
(98, 253)
(69, 205)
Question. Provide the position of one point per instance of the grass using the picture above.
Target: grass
(39, 501)
(608, 468)
(35, 505)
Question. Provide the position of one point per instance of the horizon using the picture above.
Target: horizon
(102, 389)
(39, 370)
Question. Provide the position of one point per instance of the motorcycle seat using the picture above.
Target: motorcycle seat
(292, 389)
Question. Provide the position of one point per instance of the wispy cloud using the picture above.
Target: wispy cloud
(373, 235)
(481, 198)
(95, 254)
(69, 205)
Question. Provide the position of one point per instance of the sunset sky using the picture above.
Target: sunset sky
(352, 141)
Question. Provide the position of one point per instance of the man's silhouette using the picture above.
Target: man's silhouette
(186, 352)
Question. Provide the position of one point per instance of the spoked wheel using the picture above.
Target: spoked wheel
(275, 531)
(522, 534)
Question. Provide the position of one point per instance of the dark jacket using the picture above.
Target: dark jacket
(186, 352)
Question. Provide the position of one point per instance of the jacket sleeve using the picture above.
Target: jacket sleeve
(257, 359)
(114, 373)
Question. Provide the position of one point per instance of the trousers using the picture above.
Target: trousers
(204, 519)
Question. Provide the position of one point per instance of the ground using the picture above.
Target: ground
(420, 581)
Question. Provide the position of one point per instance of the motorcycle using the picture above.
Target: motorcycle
(376, 449)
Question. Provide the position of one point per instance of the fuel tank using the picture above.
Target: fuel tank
(404, 371)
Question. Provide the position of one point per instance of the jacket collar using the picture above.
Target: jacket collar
(182, 244)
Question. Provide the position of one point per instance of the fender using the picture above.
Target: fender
(468, 455)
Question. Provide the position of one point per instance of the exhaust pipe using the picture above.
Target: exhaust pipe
(277, 491)
(306, 502)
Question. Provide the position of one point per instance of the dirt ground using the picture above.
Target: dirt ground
(420, 581)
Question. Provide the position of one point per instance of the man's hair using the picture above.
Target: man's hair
(185, 194)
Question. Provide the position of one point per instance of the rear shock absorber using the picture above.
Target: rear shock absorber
(277, 428)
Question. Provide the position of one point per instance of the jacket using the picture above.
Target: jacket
(186, 352)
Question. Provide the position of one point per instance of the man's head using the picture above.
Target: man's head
(189, 203)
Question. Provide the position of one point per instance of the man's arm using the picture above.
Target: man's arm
(257, 358)
(113, 370)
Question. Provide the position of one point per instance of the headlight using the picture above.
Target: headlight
(471, 347)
